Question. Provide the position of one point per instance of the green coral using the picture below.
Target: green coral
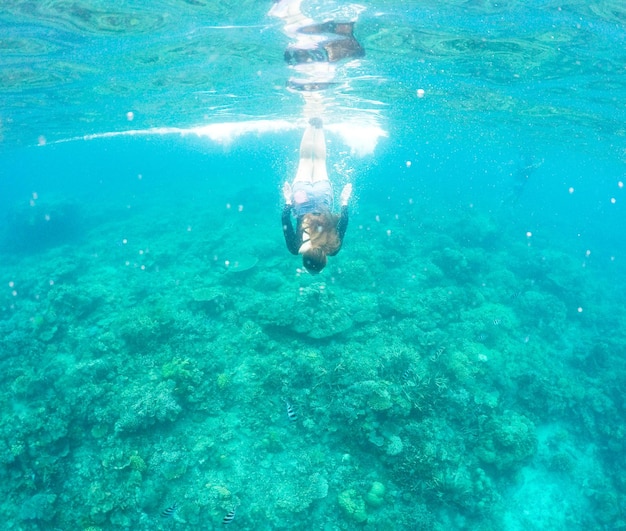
(137, 463)
(177, 369)
(353, 505)
(223, 380)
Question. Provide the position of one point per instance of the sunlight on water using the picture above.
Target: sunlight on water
(362, 138)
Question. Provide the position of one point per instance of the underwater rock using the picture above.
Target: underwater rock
(206, 294)
(210, 299)
(241, 263)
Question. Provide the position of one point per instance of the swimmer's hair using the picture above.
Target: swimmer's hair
(323, 232)
(324, 240)
(314, 260)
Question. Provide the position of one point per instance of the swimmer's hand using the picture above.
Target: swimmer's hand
(345, 194)
(287, 193)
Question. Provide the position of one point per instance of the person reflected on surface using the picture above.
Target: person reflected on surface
(316, 47)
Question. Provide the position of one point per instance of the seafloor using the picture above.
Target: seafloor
(439, 373)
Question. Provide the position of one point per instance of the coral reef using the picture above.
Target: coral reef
(435, 378)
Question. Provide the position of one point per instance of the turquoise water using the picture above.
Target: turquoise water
(460, 364)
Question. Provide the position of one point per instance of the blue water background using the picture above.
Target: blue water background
(145, 221)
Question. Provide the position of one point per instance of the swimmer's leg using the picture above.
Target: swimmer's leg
(290, 12)
(319, 150)
(312, 165)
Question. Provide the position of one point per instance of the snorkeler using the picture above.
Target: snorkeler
(319, 233)
(525, 168)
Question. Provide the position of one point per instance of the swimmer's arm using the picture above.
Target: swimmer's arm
(342, 225)
(288, 232)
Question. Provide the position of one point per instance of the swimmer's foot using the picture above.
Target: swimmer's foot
(316, 122)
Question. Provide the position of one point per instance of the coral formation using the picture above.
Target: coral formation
(376, 495)
(441, 374)
(352, 505)
(507, 441)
